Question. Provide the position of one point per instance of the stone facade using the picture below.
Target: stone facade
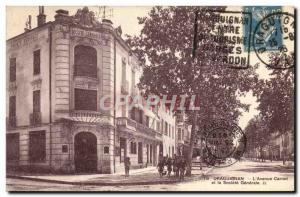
(71, 137)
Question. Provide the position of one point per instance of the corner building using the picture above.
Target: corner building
(56, 75)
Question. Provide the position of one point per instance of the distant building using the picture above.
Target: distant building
(280, 146)
(183, 134)
(57, 74)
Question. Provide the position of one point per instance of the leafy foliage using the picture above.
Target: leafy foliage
(172, 66)
(165, 47)
(276, 100)
(257, 133)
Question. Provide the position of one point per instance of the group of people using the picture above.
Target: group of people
(177, 164)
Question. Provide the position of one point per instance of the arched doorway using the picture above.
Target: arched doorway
(85, 145)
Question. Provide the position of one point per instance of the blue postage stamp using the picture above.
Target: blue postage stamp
(259, 13)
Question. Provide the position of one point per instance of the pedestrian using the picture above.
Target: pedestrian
(160, 166)
(169, 166)
(175, 166)
(127, 166)
(182, 166)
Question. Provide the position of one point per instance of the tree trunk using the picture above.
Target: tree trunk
(201, 152)
(190, 155)
(283, 149)
(261, 155)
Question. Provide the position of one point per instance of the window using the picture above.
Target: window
(182, 132)
(12, 106)
(172, 132)
(179, 134)
(106, 150)
(158, 126)
(132, 113)
(173, 150)
(141, 115)
(12, 146)
(133, 147)
(85, 99)
(123, 72)
(37, 146)
(12, 69)
(85, 60)
(147, 121)
(140, 152)
(133, 79)
(36, 62)
(36, 101)
(166, 128)
(147, 152)
(151, 150)
(123, 149)
(169, 130)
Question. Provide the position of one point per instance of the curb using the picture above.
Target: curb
(81, 183)
(93, 183)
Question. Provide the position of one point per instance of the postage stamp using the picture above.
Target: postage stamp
(258, 13)
(273, 40)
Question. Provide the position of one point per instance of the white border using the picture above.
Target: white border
(4, 3)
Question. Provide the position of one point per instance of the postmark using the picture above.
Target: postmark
(228, 39)
(225, 143)
(270, 50)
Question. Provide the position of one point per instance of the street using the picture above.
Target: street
(242, 176)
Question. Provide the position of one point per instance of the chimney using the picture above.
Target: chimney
(41, 18)
(28, 24)
(107, 24)
(62, 15)
(29, 21)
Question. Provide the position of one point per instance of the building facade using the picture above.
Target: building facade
(57, 75)
(183, 134)
(279, 147)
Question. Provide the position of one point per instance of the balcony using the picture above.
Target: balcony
(85, 113)
(133, 125)
(11, 121)
(35, 118)
(125, 88)
(89, 116)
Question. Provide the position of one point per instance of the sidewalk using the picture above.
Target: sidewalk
(145, 176)
(288, 164)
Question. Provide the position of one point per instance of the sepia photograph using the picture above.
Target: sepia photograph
(150, 98)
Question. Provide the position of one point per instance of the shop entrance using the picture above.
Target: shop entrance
(85, 146)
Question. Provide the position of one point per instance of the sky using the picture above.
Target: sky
(124, 16)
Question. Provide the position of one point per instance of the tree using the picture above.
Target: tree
(165, 47)
(276, 102)
(258, 135)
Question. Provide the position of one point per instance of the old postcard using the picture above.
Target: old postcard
(161, 98)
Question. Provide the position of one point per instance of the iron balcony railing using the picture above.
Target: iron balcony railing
(11, 121)
(132, 124)
(35, 118)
